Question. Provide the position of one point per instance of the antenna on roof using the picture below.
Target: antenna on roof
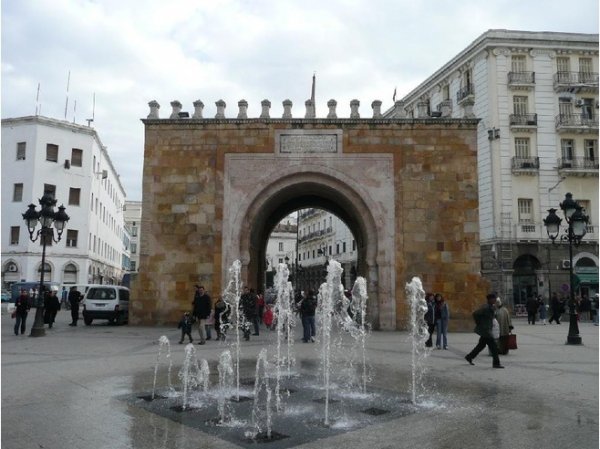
(74, 110)
(90, 120)
(67, 102)
(37, 100)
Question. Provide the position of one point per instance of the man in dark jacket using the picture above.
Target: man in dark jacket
(21, 309)
(201, 311)
(556, 308)
(308, 306)
(532, 308)
(248, 305)
(484, 319)
(74, 299)
(51, 308)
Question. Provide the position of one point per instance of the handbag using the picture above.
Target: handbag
(13, 314)
(512, 341)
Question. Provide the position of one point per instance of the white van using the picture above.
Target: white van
(106, 302)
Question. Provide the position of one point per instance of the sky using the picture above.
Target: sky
(126, 53)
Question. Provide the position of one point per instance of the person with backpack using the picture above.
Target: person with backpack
(308, 307)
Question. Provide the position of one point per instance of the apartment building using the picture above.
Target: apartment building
(69, 161)
(536, 94)
(132, 214)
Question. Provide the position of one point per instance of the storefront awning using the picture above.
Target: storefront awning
(587, 278)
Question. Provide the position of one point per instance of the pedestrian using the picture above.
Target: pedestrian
(441, 315)
(542, 309)
(585, 307)
(64, 298)
(22, 307)
(308, 306)
(260, 303)
(505, 326)
(221, 313)
(268, 317)
(185, 324)
(484, 317)
(249, 310)
(429, 318)
(532, 307)
(74, 300)
(210, 322)
(201, 308)
(51, 307)
(595, 305)
(556, 308)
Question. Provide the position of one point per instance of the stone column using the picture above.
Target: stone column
(446, 108)
(176, 105)
(154, 107)
(468, 108)
(331, 104)
(422, 109)
(265, 105)
(310, 112)
(198, 108)
(354, 105)
(220, 109)
(376, 105)
(399, 111)
(243, 109)
(287, 109)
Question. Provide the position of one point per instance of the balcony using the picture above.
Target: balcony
(465, 94)
(528, 231)
(579, 123)
(582, 167)
(445, 107)
(576, 82)
(521, 80)
(523, 122)
(525, 165)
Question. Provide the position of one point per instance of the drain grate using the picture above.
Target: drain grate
(263, 438)
(375, 411)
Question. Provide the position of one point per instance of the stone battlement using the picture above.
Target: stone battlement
(178, 114)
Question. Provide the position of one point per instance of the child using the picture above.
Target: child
(186, 327)
(268, 317)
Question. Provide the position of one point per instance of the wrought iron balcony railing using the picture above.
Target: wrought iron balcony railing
(521, 78)
(523, 119)
(578, 163)
(525, 163)
(576, 120)
(464, 93)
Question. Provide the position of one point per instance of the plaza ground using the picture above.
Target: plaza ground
(63, 390)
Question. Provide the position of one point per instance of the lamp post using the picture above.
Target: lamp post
(46, 217)
(577, 221)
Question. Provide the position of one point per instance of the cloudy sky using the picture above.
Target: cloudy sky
(129, 52)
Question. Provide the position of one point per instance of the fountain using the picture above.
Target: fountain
(225, 369)
(261, 416)
(162, 343)
(231, 296)
(361, 330)
(419, 333)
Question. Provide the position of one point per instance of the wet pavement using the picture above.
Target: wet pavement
(73, 389)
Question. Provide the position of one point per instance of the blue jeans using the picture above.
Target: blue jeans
(308, 325)
(442, 332)
(20, 320)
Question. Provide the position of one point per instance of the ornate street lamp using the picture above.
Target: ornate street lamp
(577, 221)
(46, 217)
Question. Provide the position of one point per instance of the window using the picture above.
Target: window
(14, 235)
(591, 149)
(132, 265)
(280, 246)
(18, 192)
(522, 147)
(446, 92)
(519, 105)
(517, 63)
(76, 157)
(525, 207)
(563, 65)
(337, 248)
(567, 148)
(330, 249)
(313, 253)
(72, 238)
(585, 66)
(353, 245)
(280, 260)
(344, 247)
(134, 248)
(47, 236)
(51, 189)
(564, 106)
(21, 147)
(52, 152)
(74, 194)
(134, 231)
(585, 208)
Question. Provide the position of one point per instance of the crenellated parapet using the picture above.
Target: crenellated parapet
(309, 113)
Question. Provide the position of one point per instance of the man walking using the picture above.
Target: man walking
(484, 317)
(249, 309)
(74, 299)
(201, 311)
(308, 306)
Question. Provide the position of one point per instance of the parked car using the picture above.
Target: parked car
(5, 296)
(106, 302)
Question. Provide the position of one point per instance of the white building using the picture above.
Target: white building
(323, 236)
(536, 94)
(41, 154)
(133, 217)
(281, 248)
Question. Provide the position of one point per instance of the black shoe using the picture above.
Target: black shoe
(469, 359)
(201, 343)
(498, 366)
(208, 338)
(181, 342)
(255, 334)
(17, 334)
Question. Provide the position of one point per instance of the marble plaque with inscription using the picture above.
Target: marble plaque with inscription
(308, 143)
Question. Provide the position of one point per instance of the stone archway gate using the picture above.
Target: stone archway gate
(213, 187)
